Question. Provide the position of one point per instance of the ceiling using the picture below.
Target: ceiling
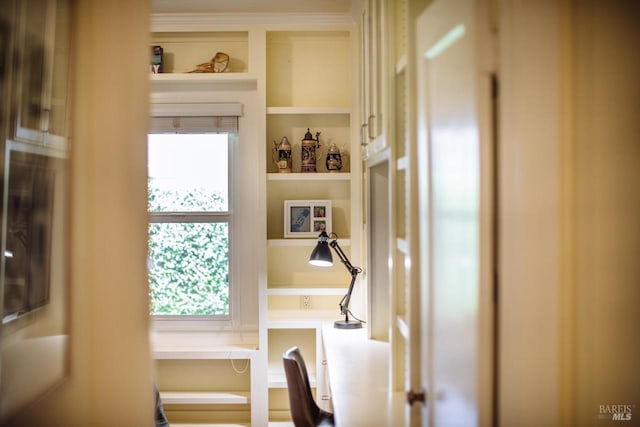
(250, 6)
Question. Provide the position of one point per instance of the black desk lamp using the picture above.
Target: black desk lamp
(321, 257)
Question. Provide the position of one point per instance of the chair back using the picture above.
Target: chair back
(304, 410)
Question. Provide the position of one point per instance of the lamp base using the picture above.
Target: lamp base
(347, 324)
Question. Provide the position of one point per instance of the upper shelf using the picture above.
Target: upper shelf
(308, 110)
(202, 81)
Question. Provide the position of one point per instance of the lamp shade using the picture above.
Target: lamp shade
(321, 254)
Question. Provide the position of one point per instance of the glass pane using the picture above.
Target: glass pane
(33, 64)
(188, 173)
(189, 268)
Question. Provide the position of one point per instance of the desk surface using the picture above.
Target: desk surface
(359, 380)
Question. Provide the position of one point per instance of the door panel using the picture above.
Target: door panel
(454, 202)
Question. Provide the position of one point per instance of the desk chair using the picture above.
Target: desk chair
(304, 410)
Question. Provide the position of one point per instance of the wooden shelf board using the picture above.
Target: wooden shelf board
(201, 77)
(279, 380)
(204, 397)
(302, 242)
(204, 352)
(307, 291)
(164, 84)
(308, 110)
(318, 176)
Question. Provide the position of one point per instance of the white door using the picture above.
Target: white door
(455, 196)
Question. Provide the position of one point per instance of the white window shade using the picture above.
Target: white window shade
(195, 118)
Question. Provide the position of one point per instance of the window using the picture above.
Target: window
(190, 220)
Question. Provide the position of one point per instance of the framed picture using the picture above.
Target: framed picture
(306, 218)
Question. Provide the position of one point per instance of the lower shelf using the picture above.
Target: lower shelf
(204, 397)
(279, 380)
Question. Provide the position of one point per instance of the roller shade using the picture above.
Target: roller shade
(195, 118)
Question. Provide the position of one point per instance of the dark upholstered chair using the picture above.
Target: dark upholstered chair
(304, 410)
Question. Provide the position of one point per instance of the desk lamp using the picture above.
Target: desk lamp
(321, 257)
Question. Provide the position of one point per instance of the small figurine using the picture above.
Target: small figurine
(156, 59)
(217, 64)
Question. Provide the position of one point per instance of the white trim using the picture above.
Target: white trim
(218, 109)
(228, 21)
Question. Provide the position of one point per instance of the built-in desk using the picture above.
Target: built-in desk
(359, 380)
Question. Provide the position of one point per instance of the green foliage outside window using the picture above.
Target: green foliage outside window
(189, 262)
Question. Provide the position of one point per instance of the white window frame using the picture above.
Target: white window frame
(202, 322)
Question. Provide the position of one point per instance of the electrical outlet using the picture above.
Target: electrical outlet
(305, 302)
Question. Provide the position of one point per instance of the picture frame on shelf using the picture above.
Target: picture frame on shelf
(306, 218)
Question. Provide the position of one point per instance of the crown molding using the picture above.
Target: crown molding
(161, 22)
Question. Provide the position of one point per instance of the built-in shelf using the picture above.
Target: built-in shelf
(279, 380)
(204, 398)
(204, 352)
(172, 82)
(308, 110)
(302, 242)
(318, 176)
(200, 77)
(306, 291)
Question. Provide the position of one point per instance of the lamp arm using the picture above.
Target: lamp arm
(354, 271)
(344, 303)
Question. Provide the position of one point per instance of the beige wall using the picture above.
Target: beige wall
(606, 99)
(110, 380)
(529, 214)
(569, 209)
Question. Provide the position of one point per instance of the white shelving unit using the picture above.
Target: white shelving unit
(279, 63)
(301, 298)
(203, 359)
